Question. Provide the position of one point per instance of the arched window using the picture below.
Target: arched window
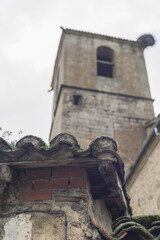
(105, 62)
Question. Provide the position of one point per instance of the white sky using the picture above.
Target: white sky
(29, 38)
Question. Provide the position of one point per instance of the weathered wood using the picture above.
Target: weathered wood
(55, 162)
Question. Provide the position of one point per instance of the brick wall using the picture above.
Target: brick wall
(65, 189)
(60, 185)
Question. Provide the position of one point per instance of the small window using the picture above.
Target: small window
(105, 62)
(77, 99)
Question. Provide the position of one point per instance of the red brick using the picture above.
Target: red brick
(78, 183)
(27, 188)
(9, 200)
(57, 183)
(94, 222)
(33, 196)
(39, 174)
(84, 197)
(124, 234)
(69, 172)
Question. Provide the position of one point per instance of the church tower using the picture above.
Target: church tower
(101, 88)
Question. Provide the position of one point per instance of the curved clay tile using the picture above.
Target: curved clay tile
(64, 138)
(4, 145)
(101, 144)
(35, 141)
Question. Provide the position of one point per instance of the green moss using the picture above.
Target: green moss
(13, 145)
(121, 220)
(46, 147)
(130, 167)
(137, 229)
(146, 221)
(78, 148)
(155, 230)
(125, 225)
(147, 226)
(156, 223)
(42, 143)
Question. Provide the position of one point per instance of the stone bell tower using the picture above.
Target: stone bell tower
(101, 88)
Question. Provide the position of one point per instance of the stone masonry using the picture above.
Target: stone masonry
(144, 186)
(114, 117)
(89, 106)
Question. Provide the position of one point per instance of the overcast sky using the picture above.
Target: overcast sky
(29, 38)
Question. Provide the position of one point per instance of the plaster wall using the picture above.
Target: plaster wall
(145, 188)
(100, 213)
(51, 227)
(18, 227)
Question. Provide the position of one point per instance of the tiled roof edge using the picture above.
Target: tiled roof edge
(91, 34)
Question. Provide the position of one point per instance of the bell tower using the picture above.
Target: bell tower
(101, 88)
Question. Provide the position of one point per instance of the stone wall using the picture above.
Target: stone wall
(102, 114)
(61, 189)
(115, 107)
(77, 64)
(144, 185)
